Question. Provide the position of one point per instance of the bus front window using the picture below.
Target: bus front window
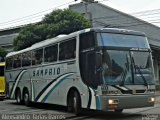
(115, 67)
(142, 67)
(121, 40)
(125, 67)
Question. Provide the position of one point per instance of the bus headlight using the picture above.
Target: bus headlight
(112, 102)
(151, 99)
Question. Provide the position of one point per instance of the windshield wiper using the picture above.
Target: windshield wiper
(124, 73)
(140, 72)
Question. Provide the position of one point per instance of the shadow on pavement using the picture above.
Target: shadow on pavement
(86, 114)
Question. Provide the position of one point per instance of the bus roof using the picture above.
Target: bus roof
(71, 35)
(118, 31)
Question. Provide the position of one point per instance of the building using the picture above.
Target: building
(7, 36)
(101, 15)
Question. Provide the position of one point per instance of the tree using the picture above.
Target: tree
(57, 22)
(2, 54)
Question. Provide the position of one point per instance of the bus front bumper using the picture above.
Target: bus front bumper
(126, 101)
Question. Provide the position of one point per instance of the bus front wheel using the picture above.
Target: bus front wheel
(26, 98)
(74, 103)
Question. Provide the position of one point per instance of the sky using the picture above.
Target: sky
(20, 12)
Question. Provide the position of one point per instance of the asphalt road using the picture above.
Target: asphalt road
(10, 110)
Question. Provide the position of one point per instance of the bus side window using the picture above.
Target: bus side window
(67, 50)
(50, 53)
(26, 59)
(87, 40)
(37, 56)
(9, 62)
(17, 61)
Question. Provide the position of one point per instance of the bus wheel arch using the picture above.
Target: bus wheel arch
(26, 97)
(18, 96)
(74, 101)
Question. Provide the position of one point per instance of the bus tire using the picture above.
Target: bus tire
(118, 110)
(18, 97)
(70, 101)
(26, 98)
(74, 102)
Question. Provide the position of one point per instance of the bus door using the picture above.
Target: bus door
(90, 75)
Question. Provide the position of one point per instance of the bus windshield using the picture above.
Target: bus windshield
(121, 40)
(126, 67)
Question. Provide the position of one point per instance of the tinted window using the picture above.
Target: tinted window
(87, 40)
(37, 57)
(17, 61)
(67, 50)
(142, 67)
(9, 62)
(116, 67)
(26, 59)
(50, 53)
(122, 40)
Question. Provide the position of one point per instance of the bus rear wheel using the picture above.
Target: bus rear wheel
(26, 98)
(18, 97)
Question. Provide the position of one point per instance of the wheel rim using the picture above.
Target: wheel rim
(18, 98)
(75, 103)
(26, 97)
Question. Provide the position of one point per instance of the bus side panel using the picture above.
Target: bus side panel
(69, 83)
(54, 87)
(37, 82)
(70, 74)
(25, 83)
(12, 80)
(46, 80)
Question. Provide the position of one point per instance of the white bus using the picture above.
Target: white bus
(101, 69)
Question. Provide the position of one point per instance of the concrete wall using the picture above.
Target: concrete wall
(7, 36)
(6, 41)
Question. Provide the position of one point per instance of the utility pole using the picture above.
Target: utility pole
(88, 14)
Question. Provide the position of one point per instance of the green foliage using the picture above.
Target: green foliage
(2, 54)
(57, 22)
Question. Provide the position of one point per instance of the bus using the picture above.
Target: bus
(2, 81)
(104, 69)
